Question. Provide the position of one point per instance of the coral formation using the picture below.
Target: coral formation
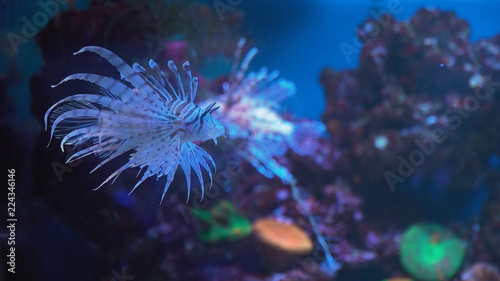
(280, 243)
(481, 271)
(430, 252)
(222, 222)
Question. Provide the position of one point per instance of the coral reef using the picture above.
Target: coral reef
(415, 118)
(410, 138)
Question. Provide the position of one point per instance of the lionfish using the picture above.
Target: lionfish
(249, 112)
(249, 108)
(141, 113)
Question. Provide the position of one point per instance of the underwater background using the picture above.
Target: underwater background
(403, 183)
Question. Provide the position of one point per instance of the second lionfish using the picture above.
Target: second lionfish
(142, 113)
(250, 112)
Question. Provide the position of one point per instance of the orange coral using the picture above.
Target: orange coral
(279, 243)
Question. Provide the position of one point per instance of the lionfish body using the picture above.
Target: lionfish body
(140, 112)
(250, 111)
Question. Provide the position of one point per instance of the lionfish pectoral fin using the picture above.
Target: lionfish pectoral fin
(115, 174)
(50, 140)
(256, 163)
(185, 163)
(267, 165)
(275, 91)
(137, 184)
(195, 160)
(270, 143)
(201, 159)
(304, 138)
(170, 177)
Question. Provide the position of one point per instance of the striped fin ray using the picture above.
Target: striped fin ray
(115, 105)
(138, 81)
(107, 93)
(237, 55)
(246, 63)
(113, 117)
(112, 156)
(194, 158)
(185, 162)
(193, 82)
(261, 86)
(276, 91)
(154, 66)
(201, 157)
(78, 136)
(125, 70)
(119, 89)
(168, 86)
(159, 165)
(180, 87)
(232, 88)
(170, 178)
(258, 85)
(270, 143)
(251, 84)
(71, 124)
(266, 164)
(153, 83)
(97, 148)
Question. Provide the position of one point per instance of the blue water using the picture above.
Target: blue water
(298, 38)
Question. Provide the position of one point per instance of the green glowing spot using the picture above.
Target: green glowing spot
(222, 223)
(431, 252)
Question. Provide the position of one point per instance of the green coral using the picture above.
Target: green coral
(429, 251)
(222, 222)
